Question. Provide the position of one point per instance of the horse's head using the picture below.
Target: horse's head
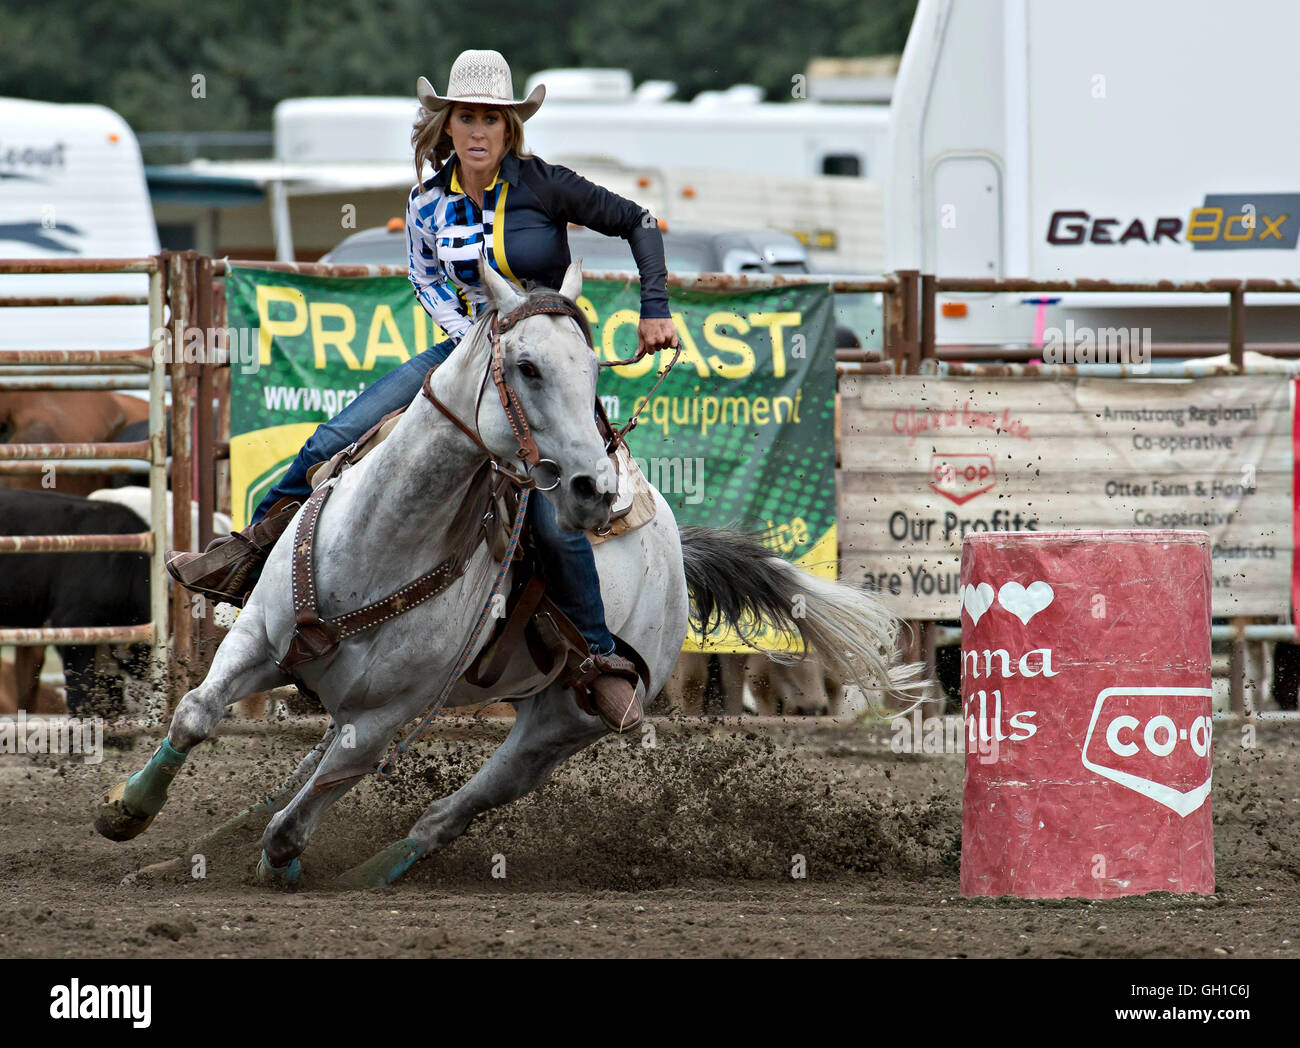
(552, 370)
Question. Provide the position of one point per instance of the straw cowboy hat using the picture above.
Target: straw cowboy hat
(482, 77)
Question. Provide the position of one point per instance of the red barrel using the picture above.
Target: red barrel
(1087, 706)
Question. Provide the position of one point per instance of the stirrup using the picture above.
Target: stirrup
(223, 571)
(234, 584)
(592, 668)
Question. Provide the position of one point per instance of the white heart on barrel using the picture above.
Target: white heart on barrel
(977, 600)
(1025, 602)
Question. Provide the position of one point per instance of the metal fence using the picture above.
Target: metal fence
(187, 294)
(31, 370)
(914, 304)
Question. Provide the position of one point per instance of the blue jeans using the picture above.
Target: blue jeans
(567, 560)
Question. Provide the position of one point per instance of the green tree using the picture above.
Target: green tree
(141, 57)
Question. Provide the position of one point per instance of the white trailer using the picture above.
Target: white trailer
(1113, 140)
(72, 185)
(744, 172)
(838, 220)
(722, 131)
(596, 112)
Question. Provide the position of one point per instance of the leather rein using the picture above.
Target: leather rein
(550, 303)
(556, 305)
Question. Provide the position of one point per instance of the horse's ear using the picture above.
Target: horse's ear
(571, 287)
(503, 295)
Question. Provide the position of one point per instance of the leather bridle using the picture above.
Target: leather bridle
(498, 325)
(555, 304)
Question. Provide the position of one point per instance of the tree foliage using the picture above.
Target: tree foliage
(141, 57)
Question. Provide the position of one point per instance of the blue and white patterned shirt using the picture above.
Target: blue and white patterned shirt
(523, 227)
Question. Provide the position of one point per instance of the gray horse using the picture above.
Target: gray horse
(390, 517)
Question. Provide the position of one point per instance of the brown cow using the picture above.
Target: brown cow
(73, 417)
(794, 689)
(801, 688)
(48, 698)
(684, 691)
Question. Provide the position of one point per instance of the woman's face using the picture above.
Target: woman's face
(478, 134)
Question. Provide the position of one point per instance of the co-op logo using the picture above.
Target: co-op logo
(1225, 222)
(1154, 741)
(960, 476)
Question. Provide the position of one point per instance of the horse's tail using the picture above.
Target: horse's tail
(736, 581)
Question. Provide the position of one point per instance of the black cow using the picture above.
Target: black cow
(73, 589)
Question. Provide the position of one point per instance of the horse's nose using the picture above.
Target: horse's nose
(590, 491)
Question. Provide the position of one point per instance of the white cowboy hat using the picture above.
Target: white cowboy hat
(482, 77)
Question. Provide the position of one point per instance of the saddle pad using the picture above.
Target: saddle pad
(634, 493)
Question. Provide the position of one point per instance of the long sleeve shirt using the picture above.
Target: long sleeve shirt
(523, 227)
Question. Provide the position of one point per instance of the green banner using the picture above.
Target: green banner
(741, 432)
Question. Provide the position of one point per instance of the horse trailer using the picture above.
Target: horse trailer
(72, 185)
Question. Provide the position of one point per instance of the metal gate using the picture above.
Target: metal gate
(95, 369)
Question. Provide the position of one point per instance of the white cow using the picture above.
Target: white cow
(136, 499)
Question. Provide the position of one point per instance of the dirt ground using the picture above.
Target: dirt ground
(685, 849)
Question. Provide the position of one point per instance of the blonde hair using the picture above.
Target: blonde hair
(432, 140)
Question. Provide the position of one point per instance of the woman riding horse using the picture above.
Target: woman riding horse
(489, 198)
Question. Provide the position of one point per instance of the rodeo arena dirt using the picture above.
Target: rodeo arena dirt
(952, 612)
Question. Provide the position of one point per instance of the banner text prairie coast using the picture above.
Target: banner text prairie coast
(752, 394)
(362, 335)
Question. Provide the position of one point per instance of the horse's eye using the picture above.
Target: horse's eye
(528, 369)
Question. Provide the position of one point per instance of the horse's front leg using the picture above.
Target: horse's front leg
(273, 802)
(549, 728)
(243, 664)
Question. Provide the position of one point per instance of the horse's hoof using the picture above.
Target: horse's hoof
(383, 868)
(116, 821)
(281, 876)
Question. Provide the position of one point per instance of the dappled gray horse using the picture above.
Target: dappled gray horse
(396, 513)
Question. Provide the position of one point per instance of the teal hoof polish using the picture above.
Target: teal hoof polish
(146, 790)
(117, 821)
(282, 875)
(130, 806)
(383, 868)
